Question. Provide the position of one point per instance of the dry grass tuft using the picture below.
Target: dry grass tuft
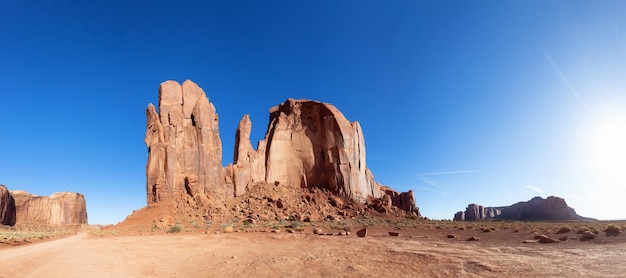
(612, 230)
(563, 230)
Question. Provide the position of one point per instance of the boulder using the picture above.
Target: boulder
(587, 235)
(63, 208)
(362, 232)
(544, 239)
(7, 207)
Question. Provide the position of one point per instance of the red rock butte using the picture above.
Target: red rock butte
(61, 208)
(308, 145)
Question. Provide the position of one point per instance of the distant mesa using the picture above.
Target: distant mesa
(309, 147)
(63, 208)
(537, 209)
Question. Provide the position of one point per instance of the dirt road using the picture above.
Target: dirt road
(300, 255)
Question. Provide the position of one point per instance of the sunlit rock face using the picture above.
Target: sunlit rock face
(308, 144)
(184, 147)
(63, 208)
(311, 144)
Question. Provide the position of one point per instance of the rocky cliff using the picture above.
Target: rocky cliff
(308, 145)
(551, 208)
(7, 207)
(63, 208)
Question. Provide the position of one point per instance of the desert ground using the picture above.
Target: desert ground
(422, 249)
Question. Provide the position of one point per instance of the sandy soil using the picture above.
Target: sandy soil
(265, 254)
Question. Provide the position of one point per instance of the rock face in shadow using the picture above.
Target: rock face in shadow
(308, 144)
(63, 208)
(551, 208)
(7, 207)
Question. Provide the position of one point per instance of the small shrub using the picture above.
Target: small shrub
(412, 216)
(612, 230)
(175, 229)
(582, 230)
(563, 230)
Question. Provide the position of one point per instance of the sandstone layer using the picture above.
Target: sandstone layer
(184, 147)
(62, 208)
(308, 145)
(551, 208)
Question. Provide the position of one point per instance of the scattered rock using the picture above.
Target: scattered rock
(394, 233)
(362, 232)
(318, 231)
(473, 239)
(587, 235)
(547, 240)
(229, 229)
(451, 236)
(531, 241)
(563, 238)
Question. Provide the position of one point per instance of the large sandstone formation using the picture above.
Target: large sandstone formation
(308, 144)
(7, 207)
(551, 208)
(184, 147)
(311, 144)
(63, 208)
(475, 212)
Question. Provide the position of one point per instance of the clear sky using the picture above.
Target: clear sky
(488, 102)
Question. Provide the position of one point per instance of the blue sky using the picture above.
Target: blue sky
(489, 102)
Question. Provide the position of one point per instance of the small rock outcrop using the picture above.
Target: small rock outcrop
(63, 208)
(551, 208)
(7, 207)
(308, 145)
(459, 216)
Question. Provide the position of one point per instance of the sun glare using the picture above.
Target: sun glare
(607, 149)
